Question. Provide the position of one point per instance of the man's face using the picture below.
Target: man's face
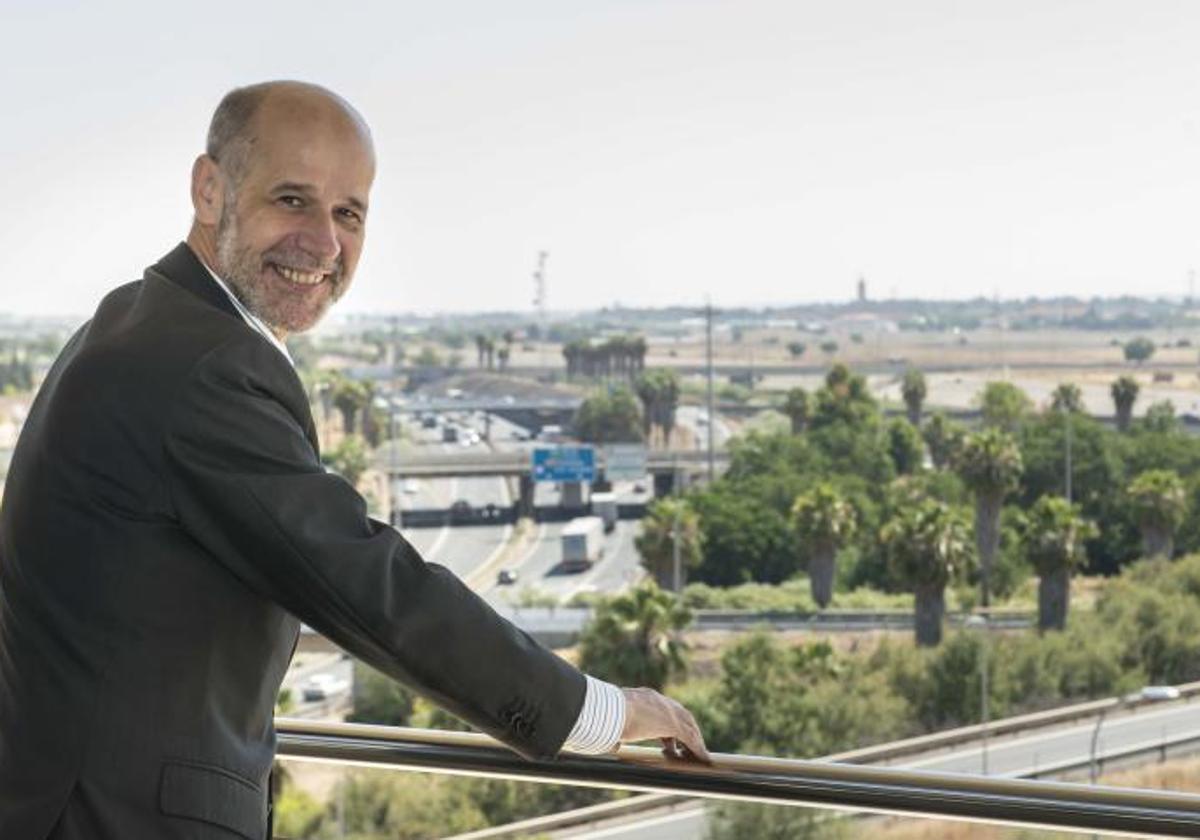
(291, 228)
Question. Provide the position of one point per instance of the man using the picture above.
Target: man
(167, 522)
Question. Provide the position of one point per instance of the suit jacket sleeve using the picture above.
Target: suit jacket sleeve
(246, 482)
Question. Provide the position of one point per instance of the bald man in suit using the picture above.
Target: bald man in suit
(167, 525)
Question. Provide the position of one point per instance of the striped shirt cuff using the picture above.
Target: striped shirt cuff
(601, 720)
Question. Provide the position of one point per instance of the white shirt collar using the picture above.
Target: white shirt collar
(250, 318)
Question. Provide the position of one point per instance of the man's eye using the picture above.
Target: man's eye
(291, 200)
(350, 215)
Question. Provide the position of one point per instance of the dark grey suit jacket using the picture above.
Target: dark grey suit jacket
(166, 523)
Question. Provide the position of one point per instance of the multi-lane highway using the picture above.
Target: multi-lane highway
(534, 559)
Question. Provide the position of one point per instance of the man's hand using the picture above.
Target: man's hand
(649, 714)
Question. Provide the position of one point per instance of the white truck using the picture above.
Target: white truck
(582, 543)
(604, 505)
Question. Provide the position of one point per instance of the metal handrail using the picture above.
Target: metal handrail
(1057, 805)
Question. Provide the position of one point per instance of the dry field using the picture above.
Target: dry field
(957, 365)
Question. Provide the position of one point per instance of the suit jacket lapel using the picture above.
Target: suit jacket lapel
(183, 268)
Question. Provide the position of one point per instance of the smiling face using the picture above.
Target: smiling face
(286, 225)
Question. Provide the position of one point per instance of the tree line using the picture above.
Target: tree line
(921, 503)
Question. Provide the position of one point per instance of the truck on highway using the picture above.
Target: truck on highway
(604, 505)
(582, 543)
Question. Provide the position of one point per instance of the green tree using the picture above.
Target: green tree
(943, 436)
(1067, 399)
(348, 459)
(906, 446)
(609, 417)
(829, 347)
(796, 348)
(927, 545)
(380, 699)
(633, 639)
(843, 401)
(1004, 405)
(989, 463)
(1054, 535)
(427, 358)
(745, 539)
(914, 391)
(1139, 349)
(796, 407)
(667, 520)
(1159, 504)
(824, 521)
(1124, 394)
(1160, 418)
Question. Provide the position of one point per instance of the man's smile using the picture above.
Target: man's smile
(295, 275)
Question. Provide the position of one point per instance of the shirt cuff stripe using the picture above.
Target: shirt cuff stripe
(601, 720)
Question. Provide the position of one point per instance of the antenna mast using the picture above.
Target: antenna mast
(539, 286)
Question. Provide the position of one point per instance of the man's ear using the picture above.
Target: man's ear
(208, 191)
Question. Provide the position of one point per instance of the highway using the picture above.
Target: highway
(1027, 754)
(536, 561)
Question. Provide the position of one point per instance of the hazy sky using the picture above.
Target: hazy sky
(754, 152)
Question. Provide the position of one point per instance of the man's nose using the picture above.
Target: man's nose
(319, 238)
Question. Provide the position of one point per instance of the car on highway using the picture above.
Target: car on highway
(461, 507)
(506, 577)
(322, 687)
(1160, 692)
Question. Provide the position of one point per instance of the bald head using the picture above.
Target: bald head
(236, 125)
(281, 196)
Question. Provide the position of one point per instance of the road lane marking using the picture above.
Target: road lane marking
(445, 532)
(641, 825)
(1001, 743)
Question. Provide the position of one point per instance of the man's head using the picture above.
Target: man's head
(280, 196)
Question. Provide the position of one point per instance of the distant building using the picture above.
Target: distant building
(862, 290)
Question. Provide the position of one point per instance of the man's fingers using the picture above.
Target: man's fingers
(693, 742)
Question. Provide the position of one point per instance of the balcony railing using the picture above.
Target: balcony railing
(817, 784)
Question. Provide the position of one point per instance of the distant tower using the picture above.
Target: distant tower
(862, 289)
(539, 285)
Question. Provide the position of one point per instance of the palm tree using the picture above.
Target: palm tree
(914, 390)
(1003, 405)
(666, 520)
(824, 520)
(989, 463)
(633, 639)
(1067, 399)
(927, 545)
(1124, 394)
(646, 389)
(943, 437)
(796, 407)
(480, 347)
(1054, 533)
(658, 389)
(350, 397)
(1159, 504)
(637, 350)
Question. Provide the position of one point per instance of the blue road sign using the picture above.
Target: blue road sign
(564, 463)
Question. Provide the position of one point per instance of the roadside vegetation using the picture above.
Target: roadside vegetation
(843, 507)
